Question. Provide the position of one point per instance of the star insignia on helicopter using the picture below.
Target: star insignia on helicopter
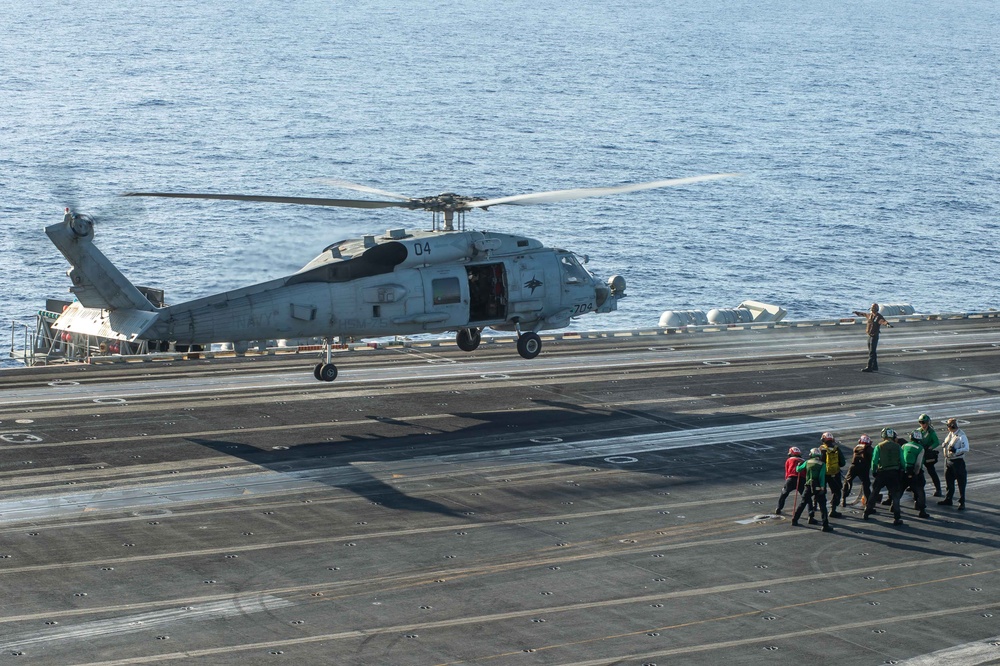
(533, 284)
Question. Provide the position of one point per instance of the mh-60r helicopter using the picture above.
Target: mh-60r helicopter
(401, 283)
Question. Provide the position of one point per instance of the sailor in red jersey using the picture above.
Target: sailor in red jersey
(793, 480)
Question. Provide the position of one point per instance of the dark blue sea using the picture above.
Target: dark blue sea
(867, 132)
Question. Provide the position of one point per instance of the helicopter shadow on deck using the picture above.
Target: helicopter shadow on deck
(508, 434)
(302, 462)
(387, 440)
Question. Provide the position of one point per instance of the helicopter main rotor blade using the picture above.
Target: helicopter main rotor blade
(364, 188)
(307, 201)
(583, 192)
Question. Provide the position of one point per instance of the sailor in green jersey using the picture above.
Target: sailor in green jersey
(887, 464)
(929, 438)
(815, 490)
(913, 471)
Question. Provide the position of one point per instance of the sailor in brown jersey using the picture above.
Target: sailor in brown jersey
(860, 468)
(874, 321)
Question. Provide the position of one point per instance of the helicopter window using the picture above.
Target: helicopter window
(446, 291)
(573, 272)
(386, 254)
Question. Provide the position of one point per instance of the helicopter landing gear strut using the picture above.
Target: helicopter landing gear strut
(528, 343)
(326, 371)
(469, 338)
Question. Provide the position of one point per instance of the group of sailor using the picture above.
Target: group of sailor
(895, 464)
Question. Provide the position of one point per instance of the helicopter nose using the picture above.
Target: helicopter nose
(602, 294)
(607, 295)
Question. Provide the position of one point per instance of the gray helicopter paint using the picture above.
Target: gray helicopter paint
(319, 301)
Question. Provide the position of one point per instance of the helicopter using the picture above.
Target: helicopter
(404, 282)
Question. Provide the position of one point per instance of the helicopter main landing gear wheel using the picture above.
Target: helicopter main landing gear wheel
(325, 372)
(468, 338)
(529, 344)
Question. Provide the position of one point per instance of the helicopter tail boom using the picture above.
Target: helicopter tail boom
(97, 283)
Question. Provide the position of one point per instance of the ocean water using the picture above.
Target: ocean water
(866, 131)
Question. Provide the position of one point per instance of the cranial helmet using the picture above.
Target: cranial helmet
(794, 451)
(888, 433)
(815, 453)
(923, 418)
(864, 439)
(826, 437)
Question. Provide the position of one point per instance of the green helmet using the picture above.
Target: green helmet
(815, 453)
(923, 418)
(888, 433)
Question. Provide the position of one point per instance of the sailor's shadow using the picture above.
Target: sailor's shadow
(349, 477)
(912, 536)
(949, 383)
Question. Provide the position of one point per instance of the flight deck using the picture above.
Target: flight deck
(606, 502)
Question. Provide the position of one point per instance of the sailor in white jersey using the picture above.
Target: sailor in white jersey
(955, 446)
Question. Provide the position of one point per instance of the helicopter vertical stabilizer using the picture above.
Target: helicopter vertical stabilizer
(96, 282)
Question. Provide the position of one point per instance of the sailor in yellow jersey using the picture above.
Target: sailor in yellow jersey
(834, 458)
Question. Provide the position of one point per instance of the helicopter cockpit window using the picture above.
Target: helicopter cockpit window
(573, 272)
(446, 291)
(378, 260)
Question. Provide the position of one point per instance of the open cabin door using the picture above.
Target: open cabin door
(487, 293)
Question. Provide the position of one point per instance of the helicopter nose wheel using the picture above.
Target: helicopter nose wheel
(325, 372)
(529, 344)
(469, 338)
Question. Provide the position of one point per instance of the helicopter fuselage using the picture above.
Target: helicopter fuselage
(400, 284)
